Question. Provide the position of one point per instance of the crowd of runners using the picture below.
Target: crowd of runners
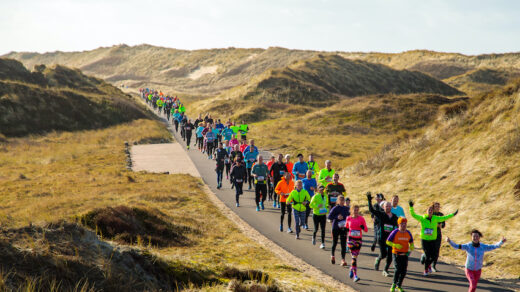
(301, 188)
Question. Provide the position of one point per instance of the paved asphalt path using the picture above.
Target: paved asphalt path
(267, 222)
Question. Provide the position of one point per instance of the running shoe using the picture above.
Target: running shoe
(188, 147)
(425, 273)
(322, 246)
(434, 270)
(313, 240)
(281, 228)
(376, 264)
(392, 289)
(373, 247)
(249, 188)
(278, 206)
(356, 279)
(257, 209)
(423, 258)
(386, 274)
(430, 270)
(274, 205)
(297, 236)
(238, 205)
(400, 289)
(262, 205)
(343, 263)
(351, 274)
(289, 230)
(333, 260)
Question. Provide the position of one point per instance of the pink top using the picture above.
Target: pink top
(354, 226)
(233, 142)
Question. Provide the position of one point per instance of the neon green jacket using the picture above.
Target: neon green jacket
(298, 198)
(243, 128)
(313, 166)
(323, 174)
(318, 200)
(150, 97)
(182, 109)
(429, 227)
(159, 103)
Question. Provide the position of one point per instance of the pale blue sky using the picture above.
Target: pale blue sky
(469, 27)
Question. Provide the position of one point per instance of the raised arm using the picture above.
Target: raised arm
(412, 212)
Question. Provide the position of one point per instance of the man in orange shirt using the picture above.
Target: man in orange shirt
(283, 189)
(401, 241)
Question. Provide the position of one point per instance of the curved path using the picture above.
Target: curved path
(267, 222)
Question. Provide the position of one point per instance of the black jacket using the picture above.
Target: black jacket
(238, 172)
(386, 224)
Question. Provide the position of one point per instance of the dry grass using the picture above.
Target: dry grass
(66, 175)
(468, 161)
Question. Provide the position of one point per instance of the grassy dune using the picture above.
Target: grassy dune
(67, 175)
(468, 160)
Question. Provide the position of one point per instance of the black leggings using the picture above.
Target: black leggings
(200, 142)
(249, 177)
(260, 189)
(228, 168)
(342, 235)
(238, 190)
(270, 190)
(430, 252)
(209, 147)
(286, 207)
(319, 222)
(188, 138)
(385, 251)
(438, 242)
(176, 123)
(275, 195)
(400, 265)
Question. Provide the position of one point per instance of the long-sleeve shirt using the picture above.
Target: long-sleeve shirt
(399, 211)
(298, 199)
(238, 173)
(429, 226)
(324, 173)
(319, 204)
(299, 170)
(313, 167)
(309, 183)
(405, 239)
(338, 210)
(284, 188)
(356, 226)
(261, 171)
(277, 171)
(386, 224)
(250, 158)
(199, 131)
(475, 254)
(221, 157)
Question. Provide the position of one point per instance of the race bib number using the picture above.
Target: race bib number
(342, 224)
(251, 159)
(301, 175)
(323, 211)
(260, 178)
(238, 180)
(329, 179)
(282, 172)
(333, 199)
(388, 228)
(355, 233)
(428, 231)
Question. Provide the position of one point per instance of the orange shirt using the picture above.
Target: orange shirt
(284, 187)
(402, 238)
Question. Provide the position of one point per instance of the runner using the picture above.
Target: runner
(250, 154)
(188, 128)
(387, 222)
(334, 189)
(175, 119)
(227, 133)
(270, 186)
(283, 189)
(429, 233)
(313, 166)
(243, 145)
(377, 206)
(236, 154)
(319, 205)
(300, 168)
(200, 137)
(355, 225)
(326, 174)
(238, 175)
(310, 185)
(299, 198)
(199, 120)
(215, 131)
(243, 128)
(210, 142)
(260, 173)
(251, 145)
(233, 142)
(401, 241)
(438, 241)
(338, 215)
(184, 119)
(220, 128)
(276, 172)
(396, 209)
(221, 155)
(475, 251)
(227, 161)
(289, 164)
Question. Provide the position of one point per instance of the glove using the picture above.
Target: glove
(410, 203)
(369, 196)
(397, 246)
(362, 227)
(408, 253)
(455, 213)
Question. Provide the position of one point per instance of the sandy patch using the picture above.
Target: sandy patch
(203, 71)
(168, 157)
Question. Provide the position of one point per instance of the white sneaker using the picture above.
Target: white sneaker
(322, 246)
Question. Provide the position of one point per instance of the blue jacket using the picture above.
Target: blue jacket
(475, 255)
(199, 131)
(249, 147)
(300, 168)
(250, 158)
(308, 183)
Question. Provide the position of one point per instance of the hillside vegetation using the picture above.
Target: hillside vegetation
(469, 159)
(482, 80)
(73, 218)
(59, 98)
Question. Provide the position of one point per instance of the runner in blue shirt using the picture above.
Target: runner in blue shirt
(310, 185)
